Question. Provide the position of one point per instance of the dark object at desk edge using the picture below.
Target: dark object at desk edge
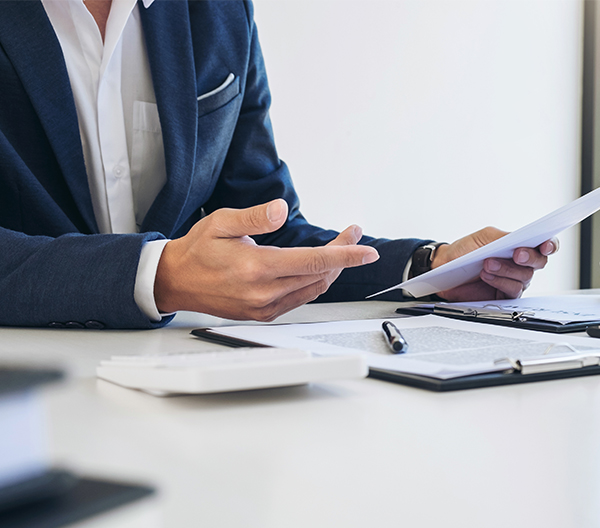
(88, 497)
(206, 334)
(479, 381)
(16, 379)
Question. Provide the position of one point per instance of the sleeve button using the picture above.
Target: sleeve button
(94, 325)
(73, 324)
(55, 324)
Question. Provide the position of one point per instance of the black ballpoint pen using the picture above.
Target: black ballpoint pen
(393, 337)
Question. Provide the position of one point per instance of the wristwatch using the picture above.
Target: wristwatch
(422, 259)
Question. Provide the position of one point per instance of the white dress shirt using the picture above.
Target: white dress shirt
(118, 122)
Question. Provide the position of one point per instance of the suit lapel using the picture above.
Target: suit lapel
(31, 44)
(41, 68)
(173, 75)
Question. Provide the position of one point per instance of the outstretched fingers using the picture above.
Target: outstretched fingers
(295, 276)
(348, 237)
(289, 262)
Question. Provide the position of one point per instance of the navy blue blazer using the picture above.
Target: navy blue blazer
(54, 266)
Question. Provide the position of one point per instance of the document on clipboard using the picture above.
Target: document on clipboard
(468, 267)
(442, 354)
(558, 314)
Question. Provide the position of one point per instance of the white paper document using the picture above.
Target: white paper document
(469, 266)
(437, 347)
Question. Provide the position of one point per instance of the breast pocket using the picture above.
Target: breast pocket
(220, 96)
(148, 170)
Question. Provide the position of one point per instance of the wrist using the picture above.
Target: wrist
(165, 287)
(440, 256)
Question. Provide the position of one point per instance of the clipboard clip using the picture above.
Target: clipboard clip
(551, 363)
(495, 313)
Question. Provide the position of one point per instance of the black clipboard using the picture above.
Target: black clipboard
(476, 381)
(497, 317)
(479, 380)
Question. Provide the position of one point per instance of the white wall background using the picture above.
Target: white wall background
(429, 118)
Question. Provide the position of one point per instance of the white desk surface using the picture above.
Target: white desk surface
(342, 454)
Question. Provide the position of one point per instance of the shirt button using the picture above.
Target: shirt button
(118, 171)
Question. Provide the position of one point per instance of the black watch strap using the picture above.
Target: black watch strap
(422, 259)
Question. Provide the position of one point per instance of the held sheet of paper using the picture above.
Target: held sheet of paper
(437, 347)
(467, 267)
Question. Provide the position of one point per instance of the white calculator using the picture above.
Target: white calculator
(228, 370)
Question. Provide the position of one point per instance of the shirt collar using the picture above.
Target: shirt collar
(147, 3)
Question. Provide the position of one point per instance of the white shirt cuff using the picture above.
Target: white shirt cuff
(407, 270)
(405, 276)
(143, 292)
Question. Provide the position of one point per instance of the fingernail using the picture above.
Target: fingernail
(357, 232)
(275, 210)
(493, 265)
(487, 276)
(550, 248)
(522, 257)
(370, 257)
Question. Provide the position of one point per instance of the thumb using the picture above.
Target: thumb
(466, 244)
(257, 220)
(486, 235)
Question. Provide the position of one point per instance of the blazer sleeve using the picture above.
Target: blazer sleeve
(73, 281)
(254, 174)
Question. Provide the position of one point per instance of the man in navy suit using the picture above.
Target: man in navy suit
(139, 177)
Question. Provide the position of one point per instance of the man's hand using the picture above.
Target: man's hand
(500, 278)
(219, 270)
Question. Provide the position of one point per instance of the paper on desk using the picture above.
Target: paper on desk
(437, 347)
(469, 266)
